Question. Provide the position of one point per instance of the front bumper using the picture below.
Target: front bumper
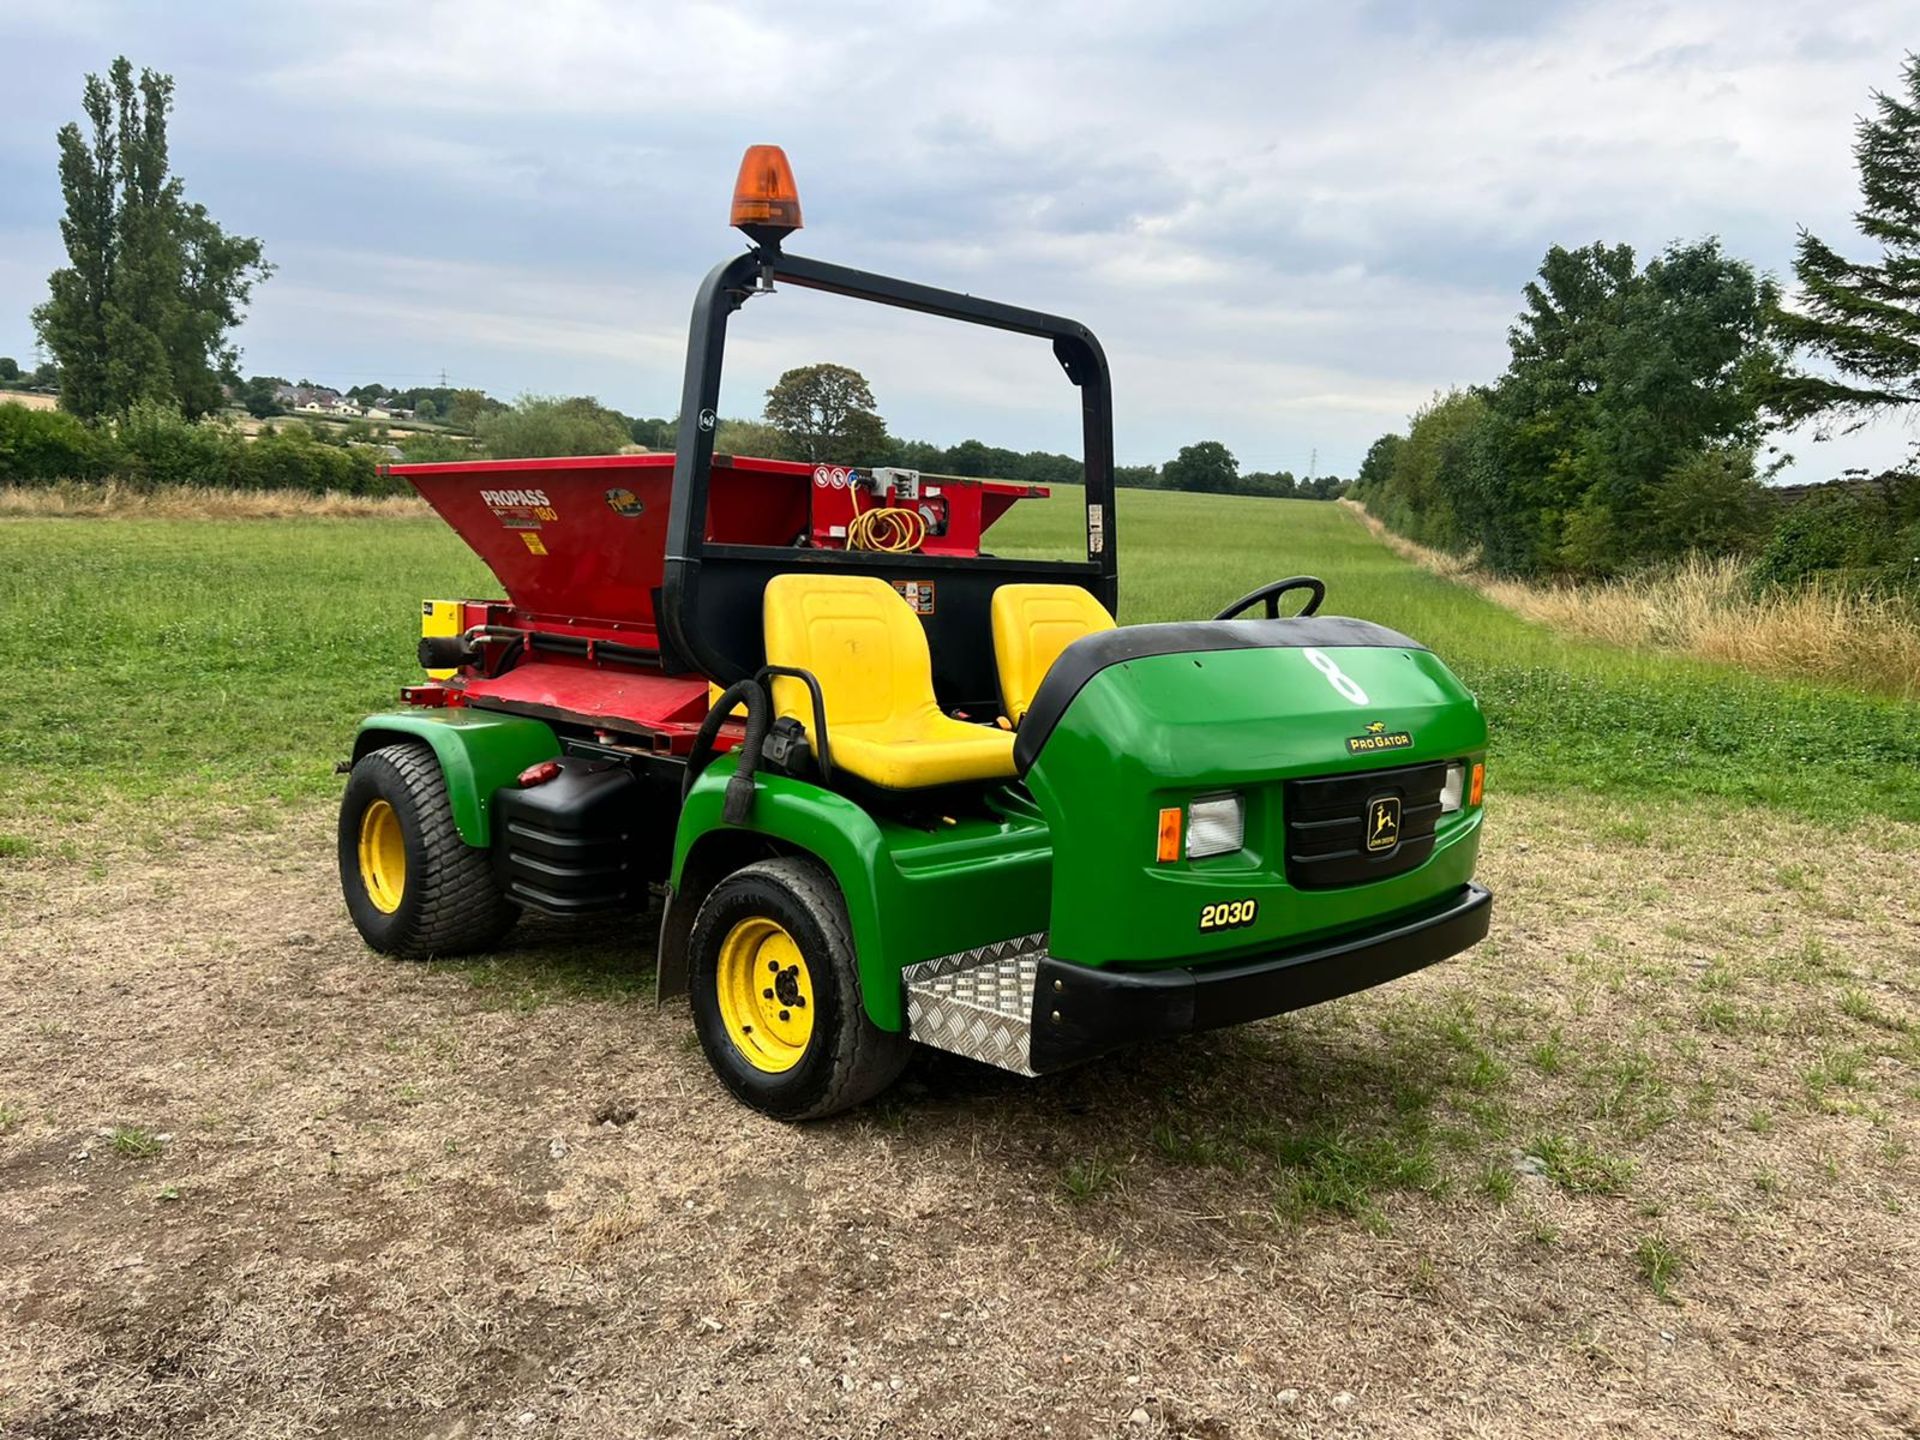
(1080, 1012)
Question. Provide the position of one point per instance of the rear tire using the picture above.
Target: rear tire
(775, 990)
(413, 887)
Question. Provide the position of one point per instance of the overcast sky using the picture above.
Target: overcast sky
(1289, 223)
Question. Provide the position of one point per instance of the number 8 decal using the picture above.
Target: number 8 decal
(1336, 677)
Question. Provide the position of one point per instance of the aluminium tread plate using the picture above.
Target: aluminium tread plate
(978, 1003)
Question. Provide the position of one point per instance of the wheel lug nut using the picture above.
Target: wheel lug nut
(766, 994)
(785, 1016)
(773, 967)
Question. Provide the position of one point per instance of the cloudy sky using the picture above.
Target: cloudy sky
(1289, 223)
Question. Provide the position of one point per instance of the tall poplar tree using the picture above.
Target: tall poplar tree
(153, 286)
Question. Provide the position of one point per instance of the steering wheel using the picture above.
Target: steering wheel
(1272, 593)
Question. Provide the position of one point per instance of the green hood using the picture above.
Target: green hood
(1152, 717)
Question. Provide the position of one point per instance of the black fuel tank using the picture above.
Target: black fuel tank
(572, 844)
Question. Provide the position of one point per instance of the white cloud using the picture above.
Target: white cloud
(1289, 223)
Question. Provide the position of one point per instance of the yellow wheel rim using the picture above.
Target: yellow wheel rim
(383, 856)
(766, 994)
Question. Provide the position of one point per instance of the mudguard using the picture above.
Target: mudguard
(479, 751)
(910, 894)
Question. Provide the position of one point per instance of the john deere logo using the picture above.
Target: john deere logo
(624, 502)
(1378, 737)
(1383, 824)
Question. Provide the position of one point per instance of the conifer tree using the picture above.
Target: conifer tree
(1861, 317)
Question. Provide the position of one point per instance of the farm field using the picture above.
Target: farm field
(1640, 1165)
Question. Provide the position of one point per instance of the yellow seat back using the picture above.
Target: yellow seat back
(862, 642)
(866, 647)
(1032, 624)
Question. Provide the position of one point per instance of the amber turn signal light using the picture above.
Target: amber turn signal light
(1479, 784)
(1169, 848)
(765, 194)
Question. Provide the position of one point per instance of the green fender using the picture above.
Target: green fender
(479, 751)
(910, 895)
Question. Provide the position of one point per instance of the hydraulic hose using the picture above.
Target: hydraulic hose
(739, 801)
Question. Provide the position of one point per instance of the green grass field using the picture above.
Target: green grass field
(168, 673)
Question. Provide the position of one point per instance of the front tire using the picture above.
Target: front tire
(775, 989)
(413, 887)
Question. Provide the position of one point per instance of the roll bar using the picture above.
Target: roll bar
(710, 605)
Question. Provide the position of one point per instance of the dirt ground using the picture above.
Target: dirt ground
(255, 1181)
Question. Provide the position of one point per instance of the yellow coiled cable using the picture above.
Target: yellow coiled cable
(889, 529)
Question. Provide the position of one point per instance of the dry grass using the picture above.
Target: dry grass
(112, 500)
(1705, 610)
(1639, 1166)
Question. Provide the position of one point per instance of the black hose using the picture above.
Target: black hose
(509, 657)
(739, 802)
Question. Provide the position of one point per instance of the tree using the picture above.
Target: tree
(547, 425)
(826, 412)
(1618, 377)
(1863, 318)
(9, 369)
(1279, 485)
(153, 286)
(465, 407)
(1378, 465)
(748, 437)
(655, 434)
(257, 396)
(1420, 495)
(1711, 500)
(918, 455)
(1208, 466)
(978, 460)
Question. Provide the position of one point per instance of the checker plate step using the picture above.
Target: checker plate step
(979, 1002)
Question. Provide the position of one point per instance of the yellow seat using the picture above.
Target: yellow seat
(866, 647)
(1032, 624)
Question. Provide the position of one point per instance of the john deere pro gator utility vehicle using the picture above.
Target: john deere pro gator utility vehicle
(893, 788)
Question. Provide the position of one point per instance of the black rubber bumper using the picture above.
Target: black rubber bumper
(1080, 1012)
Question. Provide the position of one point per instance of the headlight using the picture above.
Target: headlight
(1216, 824)
(1455, 789)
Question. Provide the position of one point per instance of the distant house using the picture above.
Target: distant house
(325, 400)
(310, 399)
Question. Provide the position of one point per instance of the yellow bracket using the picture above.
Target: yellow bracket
(441, 617)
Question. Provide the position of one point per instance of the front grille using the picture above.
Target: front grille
(1328, 818)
